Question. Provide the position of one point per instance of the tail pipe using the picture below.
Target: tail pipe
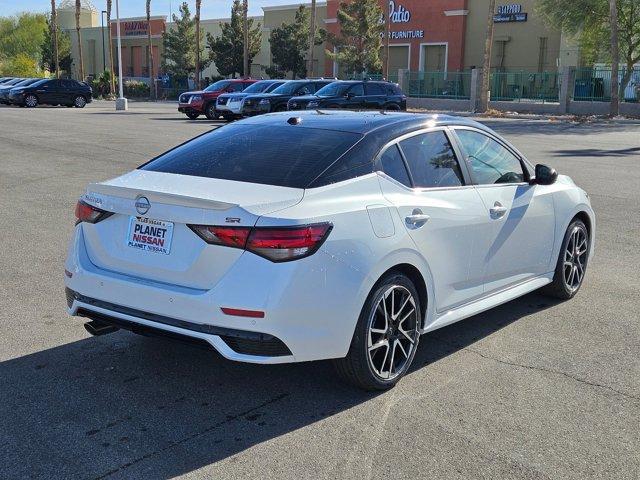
(97, 328)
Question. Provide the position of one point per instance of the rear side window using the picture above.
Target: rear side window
(432, 161)
(237, 86)
(285, 156)
(375, 89)
(393, 165)
(357, 90)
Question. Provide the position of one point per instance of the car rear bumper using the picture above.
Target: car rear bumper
(299, 324)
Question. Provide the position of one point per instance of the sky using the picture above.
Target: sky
(136, 8)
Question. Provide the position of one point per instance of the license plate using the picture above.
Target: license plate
(150, 235)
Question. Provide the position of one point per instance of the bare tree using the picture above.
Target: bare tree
(113, 73)
(312, 37)
(152, 82)
(197, 22)
(245, 31)
(54, 36)
(78, 7)
(486, 64)
(615, 59)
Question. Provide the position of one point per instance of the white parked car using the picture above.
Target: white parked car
(325, 235)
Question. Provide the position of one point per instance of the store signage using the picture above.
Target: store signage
(401, 15)
(135, 28)
(510, 13)
(397, 14)
(405, 34)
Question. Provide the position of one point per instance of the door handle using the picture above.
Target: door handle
(497, 210)
(417, 218)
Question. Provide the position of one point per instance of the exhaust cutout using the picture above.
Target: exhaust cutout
(97, 328)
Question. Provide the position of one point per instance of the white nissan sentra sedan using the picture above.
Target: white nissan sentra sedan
(325, 235)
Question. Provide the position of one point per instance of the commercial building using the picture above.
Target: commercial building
(433, 35)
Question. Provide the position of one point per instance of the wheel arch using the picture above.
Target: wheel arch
(412, 272)
(418, 272)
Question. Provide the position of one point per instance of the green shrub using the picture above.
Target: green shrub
(136, 89)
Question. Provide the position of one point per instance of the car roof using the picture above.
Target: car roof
(362, 122)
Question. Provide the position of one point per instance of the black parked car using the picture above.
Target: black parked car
(276, 101)
(52, 92)
(355, 95)
(5, 89)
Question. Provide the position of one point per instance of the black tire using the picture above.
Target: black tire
(30, 101)
(227, 117)
(192, 115)
(280, 108)
(394, 107)
(562, 286)
(357, 367)
(211, 112)
(79, 101)
(334, 107)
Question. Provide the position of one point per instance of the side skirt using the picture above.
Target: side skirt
(487, 303)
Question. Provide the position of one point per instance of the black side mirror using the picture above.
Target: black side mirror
(545, 175)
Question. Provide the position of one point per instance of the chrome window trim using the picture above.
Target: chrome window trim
(396, 141)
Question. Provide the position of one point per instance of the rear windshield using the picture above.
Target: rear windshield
(282, 155)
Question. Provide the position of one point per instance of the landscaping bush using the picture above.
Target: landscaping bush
(136, 89)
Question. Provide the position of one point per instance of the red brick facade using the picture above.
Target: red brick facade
(420, 24)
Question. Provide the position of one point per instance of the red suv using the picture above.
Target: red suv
(194, 104)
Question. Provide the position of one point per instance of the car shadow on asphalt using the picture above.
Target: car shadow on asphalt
(128, 406)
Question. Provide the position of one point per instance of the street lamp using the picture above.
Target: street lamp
(121, 102)
(104, 58)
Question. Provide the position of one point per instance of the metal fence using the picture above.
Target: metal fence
(593, 84)
(525, 86)
(454, 85)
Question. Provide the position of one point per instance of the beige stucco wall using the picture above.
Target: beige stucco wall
(67, 18)
(275, 16)
(521, 39)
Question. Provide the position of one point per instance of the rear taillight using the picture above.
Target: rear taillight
(90, 214)
(227, 236)
(278, 244)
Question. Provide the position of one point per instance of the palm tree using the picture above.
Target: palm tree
(79, 40)
(54, 35)
(312, 37)
(245, 32)
(486, 64)
(152, 84)
(197, 20)
(113, 74)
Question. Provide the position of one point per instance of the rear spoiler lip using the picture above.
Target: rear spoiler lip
(131, 193)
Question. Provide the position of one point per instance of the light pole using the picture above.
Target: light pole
(121, 102)
(104, 58)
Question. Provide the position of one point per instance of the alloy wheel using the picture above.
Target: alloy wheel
(575, 258)
(392, 333)
(80, 102)
(31, 101)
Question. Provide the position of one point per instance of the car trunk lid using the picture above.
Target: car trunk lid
(148, 236)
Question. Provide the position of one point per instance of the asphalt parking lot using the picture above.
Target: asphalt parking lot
(534, 389)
